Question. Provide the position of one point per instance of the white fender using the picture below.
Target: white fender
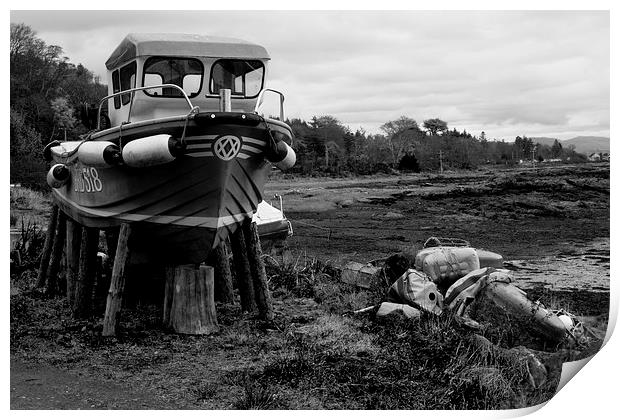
(286, 155)
(58, 175)
(150, 151)
(101, 154)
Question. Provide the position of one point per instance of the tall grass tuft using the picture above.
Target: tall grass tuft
(257, 396)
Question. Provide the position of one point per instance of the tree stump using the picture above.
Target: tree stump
(223, 275)
(82, 293)
(189, 306)
(73, 242)
(243, 273)
(51, 283)
(117, 283)
(259, 276)
(47, 247)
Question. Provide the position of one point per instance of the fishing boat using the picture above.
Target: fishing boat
(184, 150)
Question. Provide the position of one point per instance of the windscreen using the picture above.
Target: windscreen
(242, 77)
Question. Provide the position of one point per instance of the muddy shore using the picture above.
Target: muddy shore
(551, 224)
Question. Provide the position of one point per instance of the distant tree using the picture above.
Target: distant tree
(27, 164)
(401, 134)
(45, 92)
(63, 116)
(435, 126)
(556, 149)
(409, 163)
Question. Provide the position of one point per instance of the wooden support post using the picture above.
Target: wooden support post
(111, 239)
(117, 283)
(51, 283)
(223, 276)
(73, 245)
(82, 293)
(47, 247)
(243, 274)
(261, 289)
(190, 300)
(168, 294)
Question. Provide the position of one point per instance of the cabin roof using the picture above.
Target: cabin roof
(135, 45)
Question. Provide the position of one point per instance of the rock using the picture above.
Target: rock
(397, 310)
(344, 203)
(390, 215)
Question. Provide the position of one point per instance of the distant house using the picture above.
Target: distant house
(599, 157)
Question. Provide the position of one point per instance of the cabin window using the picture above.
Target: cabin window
(128, 81)
(116, 87)
(183, 72)
(242, 77)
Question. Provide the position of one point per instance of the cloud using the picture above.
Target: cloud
(507, 73)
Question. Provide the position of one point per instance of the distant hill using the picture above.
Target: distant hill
(588, 144)
(545, 141)
(583, 144)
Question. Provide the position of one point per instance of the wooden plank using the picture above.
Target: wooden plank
(47, 247)
(168, 294)
(243, 274)
(259, 276)
(51, 282)
(73, 244)
(117, 283)
(223, 275)
(82, 303)
(111, 239)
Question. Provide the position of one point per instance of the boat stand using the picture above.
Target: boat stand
(190, 290)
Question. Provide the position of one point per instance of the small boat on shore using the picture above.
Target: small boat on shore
(184, 150)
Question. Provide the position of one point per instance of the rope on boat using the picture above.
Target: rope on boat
(191, 113)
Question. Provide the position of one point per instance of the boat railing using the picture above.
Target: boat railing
(192, 108)
(259, 101)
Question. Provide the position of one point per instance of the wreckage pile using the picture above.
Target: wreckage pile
(448, 275)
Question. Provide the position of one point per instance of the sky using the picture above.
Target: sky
(507, 73)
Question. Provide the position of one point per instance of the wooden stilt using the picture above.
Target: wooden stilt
(51, 282)
(117, 283)
(192, 307)
(47, 247)
(243, 274)
(259, 276)
(86, 273)
(168, 294)
(73, 243)
(223, 276)
(111, 238)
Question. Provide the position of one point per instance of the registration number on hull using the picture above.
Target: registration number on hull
(86, 179)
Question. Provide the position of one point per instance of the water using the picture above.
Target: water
(584, 267)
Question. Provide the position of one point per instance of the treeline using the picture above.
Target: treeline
(48, 94)
(326, 146)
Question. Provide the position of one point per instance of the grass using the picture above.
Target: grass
(319, 356)
(29, 207)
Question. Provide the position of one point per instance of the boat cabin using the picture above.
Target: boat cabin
(199, 65)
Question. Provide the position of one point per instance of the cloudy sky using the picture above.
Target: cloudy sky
(508, 73)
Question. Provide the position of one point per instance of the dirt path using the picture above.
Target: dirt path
(43, 387)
